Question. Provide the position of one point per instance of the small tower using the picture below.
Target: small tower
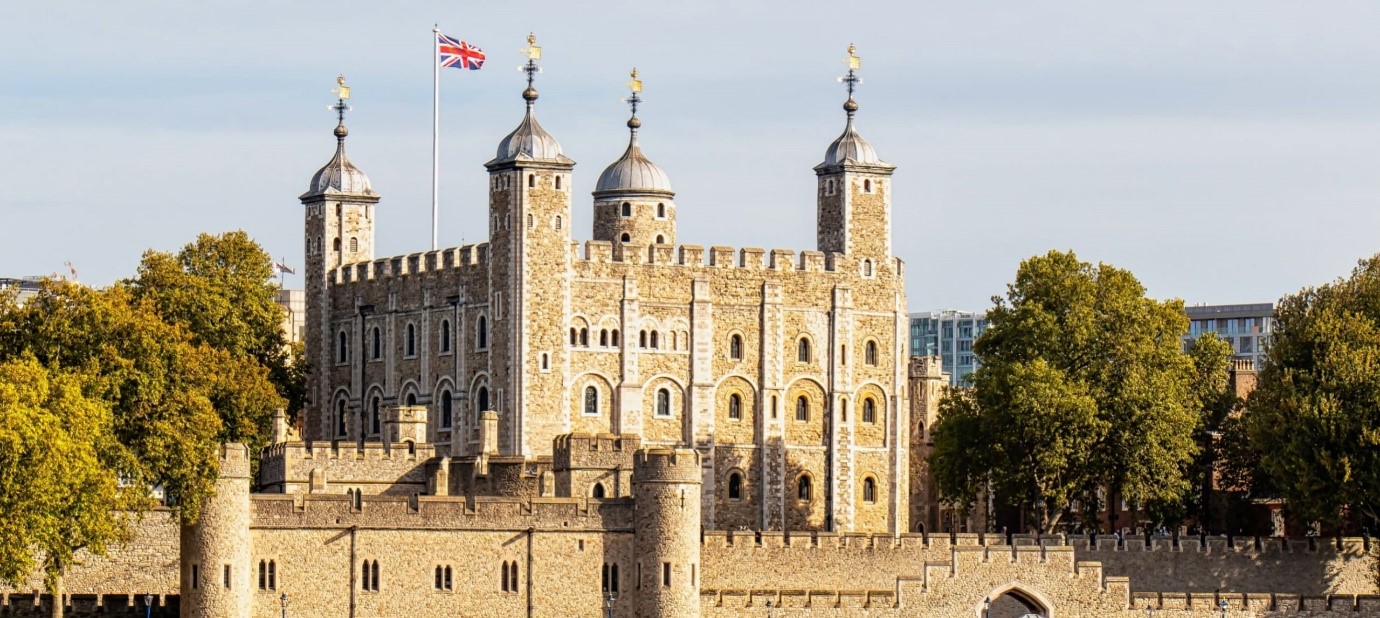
(529, 274)
(215, 551)
(633, 200)
(666, 533)
(339, 230)
(854, 187)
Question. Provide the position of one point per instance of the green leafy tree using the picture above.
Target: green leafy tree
(220, 288)
(1314, 419)
(1083, 376)
(59, 474)
(1215, 400)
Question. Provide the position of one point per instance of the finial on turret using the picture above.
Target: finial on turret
(851, 80)
(342, 94)
(634, 98)
(533, 52)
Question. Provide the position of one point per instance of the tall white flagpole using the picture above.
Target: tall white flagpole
(435, 132)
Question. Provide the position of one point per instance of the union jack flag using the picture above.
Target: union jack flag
(458, 54)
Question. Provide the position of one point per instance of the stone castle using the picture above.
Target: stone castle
(629, 427)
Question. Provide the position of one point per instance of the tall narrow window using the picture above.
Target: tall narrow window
(374, 581)
(513, 575)
(869, 490)
(802, 488)
(272, 575)
(613, 579)
(450, 581)
(263, 575)
(666, 574)
(227, 577)
(343, 351)
(735, 347)
(663, 402)
(447, 411)
(504, 568)
(584, 337)
(869, 410)
(340, 418)
(661, 211)
(531, 180)
(802, 352)
(867, 268)
(558, 222)
(196, 576)
(604, 338)
(558, 181)
(802, 408)
(867, 186)
(605, 578)
(411, 343)
(439, 578)
(374, 416)
(591, 401)
(654, 343)
(545, 361)
(613, 340)
(531, 221)
(481, 333)
(445, 336)
(735, 486)
(377, 348)
(773, 406)
(354, 245)
(735, 406)
(870, 353)
(574, 336)
(482, 399)
(627, 209)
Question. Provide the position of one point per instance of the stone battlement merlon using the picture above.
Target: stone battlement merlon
(747, 258)
(401, 266)
(594, 451)
(291, 511)
(996, 542)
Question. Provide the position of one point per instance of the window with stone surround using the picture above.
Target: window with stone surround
(584, 337)
(591, 401)
(481, 333)
(735, 486)
(227, 578)
(614, 338)
(655, 345)
(802, 350)
(340, 418)
(444, 578)
(870, 353)
(869, 490)
(666, 574)
(374, 419)
(268, 575)
(598, 492)
(410, 341)
(376, 350)
(735, 347)
(803, 491)
(735, 406)
(604, 338)
(354, 245)
(447, 409)
(660, 240)
(481, 399)
(802, 408)
(342, 348)
(869, 414)
(867, 268)
(445, 336)
(660, 211)
(626, 237)
(369, 576)
(663, 402)
(627, 212)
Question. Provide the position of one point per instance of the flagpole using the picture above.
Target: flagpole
(435, 132)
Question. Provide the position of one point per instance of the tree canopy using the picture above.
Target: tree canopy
(1082, 386)
(1314, 419)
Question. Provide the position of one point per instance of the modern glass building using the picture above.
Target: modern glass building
(948, 334)
(1246, 327)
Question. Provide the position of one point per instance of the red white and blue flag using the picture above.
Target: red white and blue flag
(458, 54)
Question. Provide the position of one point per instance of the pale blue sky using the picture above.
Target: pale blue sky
(1222, 151)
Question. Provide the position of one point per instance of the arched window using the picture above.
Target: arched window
(531, 180)
(626, 237)
(660, 240)
(843, 409)
(661, 211)
(377, 348)
(545, 361)
(843, 355)
(599, 491)
(735, 347)
(604, 338)
(411, 344)
(735, 486)
(558, 222)
(802, 352)
(869, 490)
(481, 399)
(735, 406)
(445, 336)
(773, 406)
(591, 400)
(869, 410)
(343, 353)
(614, 339)
(870, 353)
(481, 333)
(335, 244)
(642, 339)
(627, 212)
(340, 418)
(663, 402)
(802, 488)
(531, 221)
(447, 409)
(867, 186)
(354, 244)
(411, 399)
(654, 343)
(513, 575)
(374, 416)
(574, 336)
(505, 576)
(584, 337)
(867, 268)
(802, 408)
(558, 181)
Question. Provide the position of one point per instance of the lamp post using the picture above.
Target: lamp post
(283, 600)
(148, 605)
(1223, 604)
(608, 604)
(987, 607)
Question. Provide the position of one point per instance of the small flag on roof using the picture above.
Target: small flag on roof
(458, 54)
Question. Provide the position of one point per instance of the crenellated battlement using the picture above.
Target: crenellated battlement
(440, 512)
(595, 451)
(234, 461)
(666, 465)
(291, 467)
(461, 258)
(696, 256)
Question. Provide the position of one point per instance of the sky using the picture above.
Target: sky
(1223, 152)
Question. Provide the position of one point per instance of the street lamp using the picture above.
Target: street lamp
(283, 600)
(987, 607)
(148, 605)
(608, 604)
(1223, 604)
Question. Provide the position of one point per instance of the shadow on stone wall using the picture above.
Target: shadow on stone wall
(91, 605)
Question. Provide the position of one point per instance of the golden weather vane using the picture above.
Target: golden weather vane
(636, 84)
(853, 61)
(851, 80)
(533, 50)
(341, 91)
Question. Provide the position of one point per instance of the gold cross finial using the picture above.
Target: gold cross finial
(636, 84)
(533, 50)
(853, 61)
(341, 91)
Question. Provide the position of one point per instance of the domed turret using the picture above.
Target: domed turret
(529, 142)
(850, 147)
(854, 189)
(339, 175)
(633, 198)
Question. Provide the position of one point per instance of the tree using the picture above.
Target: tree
(1083, 376)
(59, 473)
(1314, 419)
(1215, 400)
(221, 290)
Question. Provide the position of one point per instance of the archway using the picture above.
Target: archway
(1014, 601)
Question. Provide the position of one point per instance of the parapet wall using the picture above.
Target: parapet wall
(453, 258)
(440, 512)
(374, 468)
(146, 564)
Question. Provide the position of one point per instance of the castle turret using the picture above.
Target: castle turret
(339, 230)
(633, 200)
(854, 188)
(215, 550)
(666, 487)
(530, 262)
